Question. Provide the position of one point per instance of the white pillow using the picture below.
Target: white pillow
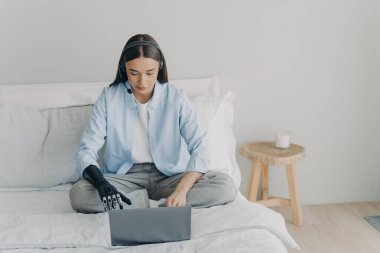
(216, 114)
(37, 147)
(22, 133)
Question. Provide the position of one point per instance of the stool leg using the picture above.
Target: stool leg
(264, 181)
(255, 180)
(293, 192)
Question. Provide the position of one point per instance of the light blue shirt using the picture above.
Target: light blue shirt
(171, 119)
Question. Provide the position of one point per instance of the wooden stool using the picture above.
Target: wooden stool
(264, 154)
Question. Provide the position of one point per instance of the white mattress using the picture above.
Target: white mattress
(33, 221)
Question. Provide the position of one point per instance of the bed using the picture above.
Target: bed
(40, 127)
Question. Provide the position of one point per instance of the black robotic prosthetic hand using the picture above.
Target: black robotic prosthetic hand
(109, 195)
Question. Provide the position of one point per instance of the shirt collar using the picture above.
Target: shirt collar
(155, 100)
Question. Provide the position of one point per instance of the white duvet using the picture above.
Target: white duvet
(36, 221)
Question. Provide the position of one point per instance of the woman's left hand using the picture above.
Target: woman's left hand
(177, 198)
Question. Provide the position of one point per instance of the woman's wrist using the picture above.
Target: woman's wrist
(93, 174)
(187, 182)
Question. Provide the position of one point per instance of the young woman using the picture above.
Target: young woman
(141, 118)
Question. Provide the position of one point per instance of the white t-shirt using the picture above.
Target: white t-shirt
(141, 148)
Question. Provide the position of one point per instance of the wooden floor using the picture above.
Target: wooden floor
(335, 228)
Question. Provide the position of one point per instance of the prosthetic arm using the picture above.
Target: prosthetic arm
(109, 195)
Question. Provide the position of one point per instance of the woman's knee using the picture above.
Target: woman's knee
(229, 188)
(84, 197)
(224, 185)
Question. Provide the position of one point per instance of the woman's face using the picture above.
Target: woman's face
(142, 75)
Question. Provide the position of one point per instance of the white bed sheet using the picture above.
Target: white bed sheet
(33, 221)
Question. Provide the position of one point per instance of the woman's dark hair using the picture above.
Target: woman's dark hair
(134, 52)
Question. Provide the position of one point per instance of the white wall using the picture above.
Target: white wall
(307, 66)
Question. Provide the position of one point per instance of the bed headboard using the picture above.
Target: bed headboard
(51, 95)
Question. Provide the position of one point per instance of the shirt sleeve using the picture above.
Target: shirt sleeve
(93, 136)
(195, 137)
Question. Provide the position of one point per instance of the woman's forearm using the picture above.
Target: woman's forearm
(187, 181)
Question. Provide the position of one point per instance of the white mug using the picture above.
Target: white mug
(282, 139)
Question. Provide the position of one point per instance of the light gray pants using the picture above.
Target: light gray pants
(145, 181)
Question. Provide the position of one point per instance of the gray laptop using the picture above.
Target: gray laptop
(137, 226)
